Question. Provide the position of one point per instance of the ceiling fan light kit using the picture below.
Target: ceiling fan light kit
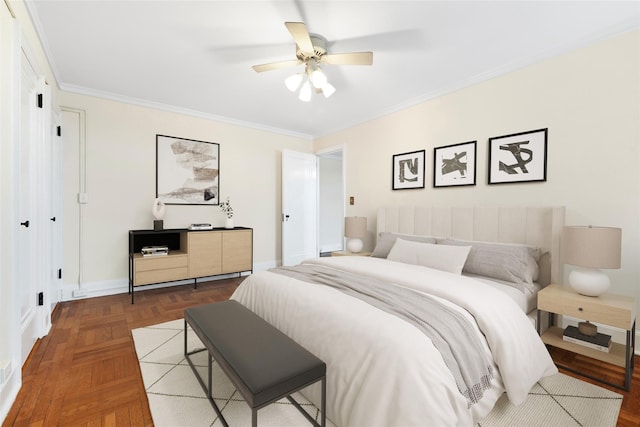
(311, 50)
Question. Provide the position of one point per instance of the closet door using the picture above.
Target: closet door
(27, 243)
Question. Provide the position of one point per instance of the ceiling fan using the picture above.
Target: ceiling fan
(311, 50)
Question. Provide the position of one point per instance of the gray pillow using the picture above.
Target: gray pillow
(516, 264)
(386, 241)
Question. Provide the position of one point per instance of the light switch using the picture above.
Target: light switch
(352, 200)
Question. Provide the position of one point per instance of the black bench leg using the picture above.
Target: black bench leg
(323, 403)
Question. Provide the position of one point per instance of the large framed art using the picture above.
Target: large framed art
(454, 165)
(408, 170)
(187, 171)
(519, 157)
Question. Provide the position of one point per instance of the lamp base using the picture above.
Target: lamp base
(354, 245)
(589, 281)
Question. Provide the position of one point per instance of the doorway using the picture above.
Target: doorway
(331, 207)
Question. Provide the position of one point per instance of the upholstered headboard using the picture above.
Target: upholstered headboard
(536, 226)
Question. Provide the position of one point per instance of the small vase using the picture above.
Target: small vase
(228, 223)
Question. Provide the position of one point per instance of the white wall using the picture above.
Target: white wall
(121, 179)
(588, 99)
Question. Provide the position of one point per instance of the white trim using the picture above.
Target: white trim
(180, 110)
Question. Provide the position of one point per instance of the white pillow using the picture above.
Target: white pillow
(386, 241)
(439, 257)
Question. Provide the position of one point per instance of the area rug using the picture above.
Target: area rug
(176, 398)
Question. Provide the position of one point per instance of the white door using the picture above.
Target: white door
(54, 213)
(299, 207)
(29, 322)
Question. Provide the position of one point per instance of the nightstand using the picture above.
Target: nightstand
(613, 310)
(347, 253)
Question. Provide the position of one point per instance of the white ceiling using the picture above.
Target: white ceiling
(196, 56)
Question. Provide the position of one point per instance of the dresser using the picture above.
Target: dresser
(192, 255)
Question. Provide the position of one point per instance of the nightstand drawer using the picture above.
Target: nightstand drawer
(613, 310)
(598, 313)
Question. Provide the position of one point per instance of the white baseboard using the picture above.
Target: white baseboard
(9, 391)
(72, 292)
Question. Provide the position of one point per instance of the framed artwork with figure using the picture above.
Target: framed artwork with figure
(408, 170)
(519, 157)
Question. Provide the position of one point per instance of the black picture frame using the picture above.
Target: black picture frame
(408, 170)
(518, 157)
(454, 165)
(187, 171)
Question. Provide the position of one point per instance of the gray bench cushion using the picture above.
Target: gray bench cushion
(263, 363)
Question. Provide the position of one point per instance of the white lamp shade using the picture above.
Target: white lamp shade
(305, 92)
(328, 90)
(318, 78)
(591, 248)
(293, 82)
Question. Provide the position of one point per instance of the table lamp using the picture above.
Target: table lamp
(355, 228)
(591, 248)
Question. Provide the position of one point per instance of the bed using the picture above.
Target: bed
(385, 368)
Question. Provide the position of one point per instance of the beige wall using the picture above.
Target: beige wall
(588, 99)
(120, 176)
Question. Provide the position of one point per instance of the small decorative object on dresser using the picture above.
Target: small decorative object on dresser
(591, 248)
(355, 228)
(228, 211)
(158, 211)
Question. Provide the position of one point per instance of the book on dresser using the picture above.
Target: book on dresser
(601, 342)
(154, 251)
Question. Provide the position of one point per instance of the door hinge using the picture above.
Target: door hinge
(59, 273)
(39, 101)
(59, 130)
(41, 298)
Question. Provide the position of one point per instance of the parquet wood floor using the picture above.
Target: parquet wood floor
(86, 373)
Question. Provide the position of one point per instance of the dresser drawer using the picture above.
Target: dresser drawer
(159, 276)
(160, 262)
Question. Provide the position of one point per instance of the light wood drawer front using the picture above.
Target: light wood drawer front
(594, 312)
(160, 262)
(159, 276)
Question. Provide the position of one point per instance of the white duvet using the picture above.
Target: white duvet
(382, 371)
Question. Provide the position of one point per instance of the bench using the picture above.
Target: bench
(264, 364)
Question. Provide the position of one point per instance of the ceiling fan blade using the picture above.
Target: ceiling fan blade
(275, 65)
(354, 58)
(301, 36)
